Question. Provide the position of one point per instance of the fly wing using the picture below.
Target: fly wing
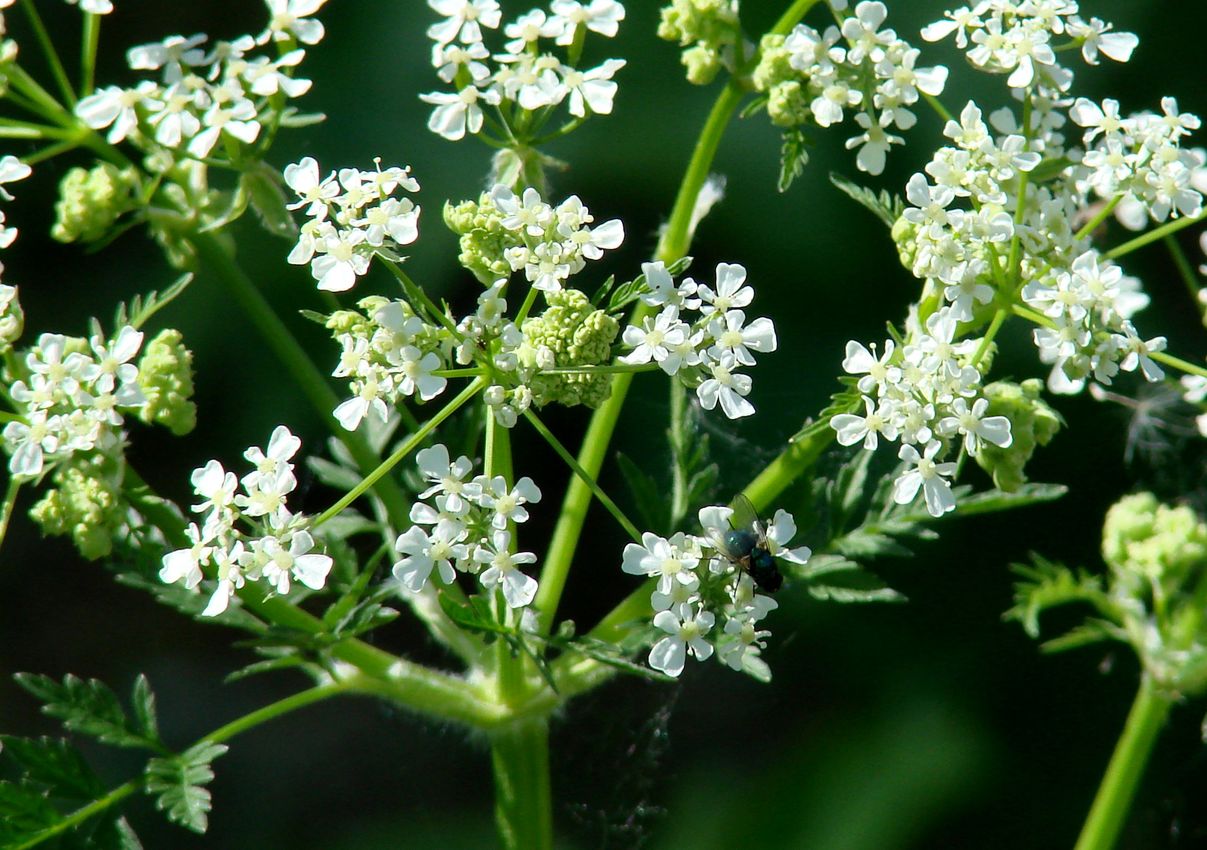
(745, 517)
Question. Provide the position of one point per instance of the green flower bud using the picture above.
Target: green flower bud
(483, 238)
(90, 201)
(773, 67)
(702, 64)
(788, 105)
(1032, 423)
(905, 235)
(12, 317)
(345, 322)
(165, 374)
(569, 333)
(1144, 538)
(86, 504)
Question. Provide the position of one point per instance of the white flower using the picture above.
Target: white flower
(873, 144)
(598, 16)
(731, 290)
(215, 486)
(507, 504)
(185, 564)
(114, 107)
(732, 335)
(685, 630)
(877, 374)
(455, 114)
(663, 291)
(465, 19)
(297, 562)
(672, 561)
(230, 578)
(503, 570)
(927, 475)
(656, 340)
(289, 20)
(1098, 38)
(11, 169)
(425, 552)
(592, 89)
(727, 387)
(447, 479)
(314, 192)
(416, 374)
(780, 533)
(851, 428)
(340, 263)
(93, 7)
(975, 426)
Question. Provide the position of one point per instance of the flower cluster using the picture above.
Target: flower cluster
(858, 68)
(70, 394)
(389, 354)
(272, 545)
(1138, 161)
(208, 99)
(351, 219)
(465, 526)
(1016, 38)
(700, 581)
(503, 233)
(706, 351)
(526, 80)
(927, 394)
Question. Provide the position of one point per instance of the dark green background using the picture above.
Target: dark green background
(927, 725)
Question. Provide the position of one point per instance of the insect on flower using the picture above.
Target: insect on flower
(746, 546)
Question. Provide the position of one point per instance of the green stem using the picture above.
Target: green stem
(576, 467)
(81, 815)
(679, 494)
(409, 445)
(52, 56)
(10, 501)
(1101, 216)
(1151, 236)
(1178, 363)
(1185, 270)
(1118, 788)
(313, 384)
(793, 461)
(88, 45)
(994, 326)
(519, 755)
(672, 246)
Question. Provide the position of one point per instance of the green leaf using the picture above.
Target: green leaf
(53, 762)
(607, 653)
(626, 293)
(178, 785)
(139, 309)
(263, 187)
(648, 497)
(837, 579)
(991, 501)
(191, 603)
(1047, 584)
(1049, 169)
(885, 206)
(794, 156)
(146, 721)
(1089, 632)
(89, 707)
(473, 615)
(24, 812)
(267, 665)
(314, 316)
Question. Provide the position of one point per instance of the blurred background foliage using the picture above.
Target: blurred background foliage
(926, 725)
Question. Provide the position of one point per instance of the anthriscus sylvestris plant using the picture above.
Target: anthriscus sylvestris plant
(423, 510)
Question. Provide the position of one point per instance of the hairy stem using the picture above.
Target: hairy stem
(1118, 788)
(519, 755)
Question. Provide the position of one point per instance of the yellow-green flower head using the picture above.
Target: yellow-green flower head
(165, 375)
(1161, 543)
(905, 235)
(85, 503)
(571, 332)
(1032, 423)
(90, 201)
(706, 28)
(484, 239)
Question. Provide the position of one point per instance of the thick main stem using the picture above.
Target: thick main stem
(1118, 788)
(523, 803)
